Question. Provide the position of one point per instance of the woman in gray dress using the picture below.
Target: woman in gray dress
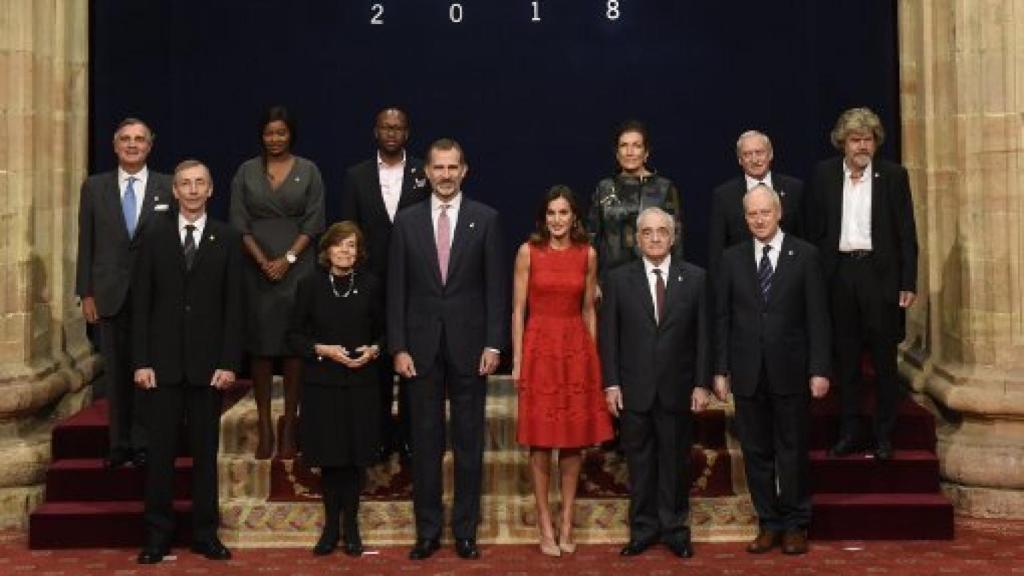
(277, 203)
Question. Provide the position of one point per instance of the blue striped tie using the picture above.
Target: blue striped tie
(764, 273)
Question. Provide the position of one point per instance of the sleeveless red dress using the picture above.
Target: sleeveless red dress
(561, 399)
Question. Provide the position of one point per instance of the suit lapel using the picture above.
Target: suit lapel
(639, 279)
(464, 231)
(673, 288)
(877, 198)
(151, 197)
(782, 266)
(408, 183)
(750, 264)
(112, 198)
(425, 238)
(206, 244)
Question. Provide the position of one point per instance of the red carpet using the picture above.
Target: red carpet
(982, 548)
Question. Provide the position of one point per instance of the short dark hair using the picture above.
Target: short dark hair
(632, 126)
(577, 233)
(334, 235)
(444, 145)
(274, 114)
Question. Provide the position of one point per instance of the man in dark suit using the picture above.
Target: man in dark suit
(656, 365)
(448, 319)
(862, 218)
(115, 208)
(728, 223)
(772, 348)
(187, 326)
(373, 193)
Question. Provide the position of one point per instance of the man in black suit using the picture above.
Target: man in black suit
(728, 223)
(772, 348)
(448, 320)
(656, 365)
(373, 193)
(187, 326)
(862, 219)
(115, 208)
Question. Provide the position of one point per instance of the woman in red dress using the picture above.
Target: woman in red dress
(555, 363)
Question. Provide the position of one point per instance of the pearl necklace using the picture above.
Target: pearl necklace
(350, 289)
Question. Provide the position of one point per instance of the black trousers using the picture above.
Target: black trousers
(862, 315)
(773, 431)
(200, 406)
(467, 395)
(392, 434)
(127, 418)
(341, 486)
(656, 444)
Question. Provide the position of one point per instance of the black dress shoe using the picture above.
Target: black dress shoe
(466, 549)
(883, 451)
(213, 549)
(682, 549)
(845, 446)
(635, 547)
(354, 548)
(117, 458)
(140, 457)
(326, 544)
(152, 554)
(424, 549)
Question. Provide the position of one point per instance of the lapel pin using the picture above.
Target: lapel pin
(679, 278)
(877, 175)
(297, 179)
(212, 237)
(782, 192)
(790, 252)
(472, 224)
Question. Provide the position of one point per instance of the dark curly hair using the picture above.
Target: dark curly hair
(577, 233)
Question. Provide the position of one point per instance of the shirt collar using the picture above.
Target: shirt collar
(664, 266)
(751, 182)
(453, 204)
(140, 176)
(199, 223)
(847, 171)
(382, 164)
(775, 243)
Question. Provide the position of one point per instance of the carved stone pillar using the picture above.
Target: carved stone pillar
(962, 96)
(45, 359)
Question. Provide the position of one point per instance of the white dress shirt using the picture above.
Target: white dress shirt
(139, 187)
(197, 234)
(753, 182)
(391, 177)
(453, 214)
(652, 280)
(855, 233)
(773, 254)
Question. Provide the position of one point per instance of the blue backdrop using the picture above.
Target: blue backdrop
(533, 90)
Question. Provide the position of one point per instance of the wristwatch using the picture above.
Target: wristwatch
(290, 257)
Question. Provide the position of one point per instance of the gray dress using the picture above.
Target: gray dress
(275, 218)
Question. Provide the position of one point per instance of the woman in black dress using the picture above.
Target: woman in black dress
(338, 328)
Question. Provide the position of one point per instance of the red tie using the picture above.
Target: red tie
(659, 295)
(444, 241)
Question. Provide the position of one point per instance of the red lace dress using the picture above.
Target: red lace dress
(561, 400)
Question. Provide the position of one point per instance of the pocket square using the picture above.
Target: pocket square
(161, 208)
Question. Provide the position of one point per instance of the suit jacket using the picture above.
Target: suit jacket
(728, 220)
(106, 254)
(362, 202)
(651, 361)
(471, 309)
(789, 335)
(893, 231)
(188, 323)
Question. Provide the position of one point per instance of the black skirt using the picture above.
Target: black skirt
(339, 425)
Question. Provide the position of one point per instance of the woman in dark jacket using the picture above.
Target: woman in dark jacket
(338, 328)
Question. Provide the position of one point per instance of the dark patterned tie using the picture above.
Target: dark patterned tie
(190, 246)
(659, 295)
(764, 273)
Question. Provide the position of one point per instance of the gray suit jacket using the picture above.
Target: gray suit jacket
(106, 254)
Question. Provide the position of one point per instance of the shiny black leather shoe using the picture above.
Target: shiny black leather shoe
(326, 544)
(354, 548)
(844, 447)
(466, 549)
(424, 549)
(152, 554)
(117, 458)
(681, 549)
(883, 452)
(635, 547)
(140, 457)
(212, 549)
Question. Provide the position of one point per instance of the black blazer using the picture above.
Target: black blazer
(106, 254)
(647, 360)
(362, 202)
(893, 231)
(472, 309)
(790, 335)
(186, 324)
(729, 224)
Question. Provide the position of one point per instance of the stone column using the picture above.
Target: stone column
(962, 96)
(45, 359)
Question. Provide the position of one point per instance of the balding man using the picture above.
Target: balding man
(773, 352)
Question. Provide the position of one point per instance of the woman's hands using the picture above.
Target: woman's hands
(354, 360)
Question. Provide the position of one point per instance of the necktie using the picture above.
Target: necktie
(128, 206)
(764, 273)
(659, 295)
(444, 241)
(190, 246)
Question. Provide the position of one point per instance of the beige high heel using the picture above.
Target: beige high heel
(548, 547)
(567, 547)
